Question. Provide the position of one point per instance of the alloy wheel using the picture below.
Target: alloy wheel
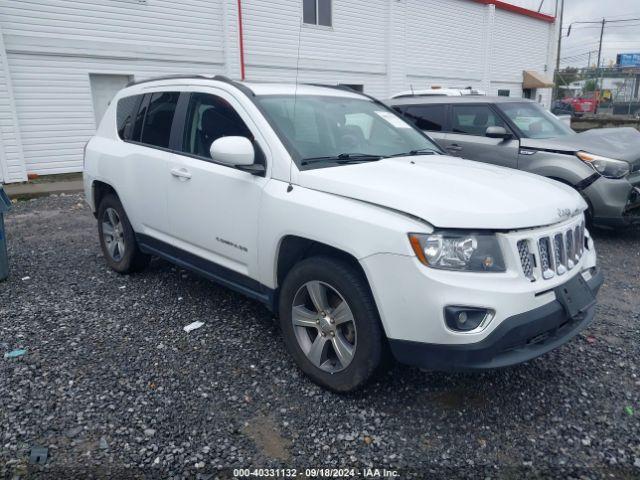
(113, 234)
(324, 326)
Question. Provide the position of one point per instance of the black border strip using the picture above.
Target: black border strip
(210, 270)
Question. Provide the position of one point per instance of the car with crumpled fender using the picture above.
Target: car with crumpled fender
(603, 165)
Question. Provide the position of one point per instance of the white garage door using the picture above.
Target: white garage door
(103, 89)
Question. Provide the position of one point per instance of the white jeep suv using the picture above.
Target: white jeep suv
(344, 220)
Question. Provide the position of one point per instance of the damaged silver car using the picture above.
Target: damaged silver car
(602, 164)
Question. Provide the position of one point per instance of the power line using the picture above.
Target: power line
(588, 27)
(580, 55)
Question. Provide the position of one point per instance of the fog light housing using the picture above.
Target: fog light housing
(467, 319)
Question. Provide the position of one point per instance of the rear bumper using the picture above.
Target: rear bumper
(517, 339)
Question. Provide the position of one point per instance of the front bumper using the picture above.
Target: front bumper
(517, 339)
(615, 203)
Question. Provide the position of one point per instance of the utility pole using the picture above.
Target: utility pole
(600, 47)
(555, 88)
(589, 61)
(602, 70)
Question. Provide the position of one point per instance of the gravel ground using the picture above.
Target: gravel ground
(114, 388)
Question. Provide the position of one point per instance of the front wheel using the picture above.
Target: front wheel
(330, 323)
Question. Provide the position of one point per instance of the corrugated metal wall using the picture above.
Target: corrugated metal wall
(353, 50)
(52, 46)
(12, 168)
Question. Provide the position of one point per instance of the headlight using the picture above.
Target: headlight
(607, 167)
(474, 252)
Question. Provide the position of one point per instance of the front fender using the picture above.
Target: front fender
(354, 227)
(565, 167)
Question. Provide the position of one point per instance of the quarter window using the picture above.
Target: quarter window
(316, 12)
(125, 115)
(139, 121)
(474, 119)
(426, 117)
(159, 118)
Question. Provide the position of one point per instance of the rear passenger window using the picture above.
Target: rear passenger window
(125, 115)
(474, 119)
(426, 117)
(158, 119)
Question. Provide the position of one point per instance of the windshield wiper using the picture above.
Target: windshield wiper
(421, 151)
(343, 158)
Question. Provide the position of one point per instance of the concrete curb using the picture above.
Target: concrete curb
(23, 191)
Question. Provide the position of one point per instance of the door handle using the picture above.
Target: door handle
(181, 173)
(454, 148)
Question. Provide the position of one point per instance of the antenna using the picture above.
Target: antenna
(412, 92)
(295, 97)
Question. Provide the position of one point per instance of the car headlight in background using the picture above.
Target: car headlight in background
(607, 167)
(452, 250)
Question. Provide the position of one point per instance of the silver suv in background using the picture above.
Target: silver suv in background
(602, 164)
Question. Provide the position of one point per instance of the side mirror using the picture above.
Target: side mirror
(497, 132)
(233, 151)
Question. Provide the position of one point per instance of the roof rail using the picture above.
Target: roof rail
(166, 77)
(347, 89)
(219, 78)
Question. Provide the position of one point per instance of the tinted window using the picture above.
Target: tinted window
(309, 11)
(324, 12)
(316, 12)
(125, 115)
(427, 117)
(159, 117)
(474, 119)
(209, 118)
(139, 122)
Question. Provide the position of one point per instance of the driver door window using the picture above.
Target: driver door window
(474, 119)
(468, 139)
(209, 118)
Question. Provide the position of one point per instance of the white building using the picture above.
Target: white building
(62, 60)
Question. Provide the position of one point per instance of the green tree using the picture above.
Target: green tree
(590, 85)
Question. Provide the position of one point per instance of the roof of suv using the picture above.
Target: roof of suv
(256, 88)
(463, 99)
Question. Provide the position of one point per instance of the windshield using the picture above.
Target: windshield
(533, 121)
(326, 129)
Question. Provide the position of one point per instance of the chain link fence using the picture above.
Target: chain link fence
(602, 91)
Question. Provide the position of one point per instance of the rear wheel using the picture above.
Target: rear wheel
(117, 238)
(330, 323)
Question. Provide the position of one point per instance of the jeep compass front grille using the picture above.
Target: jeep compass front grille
(554, 253)
(526, 259)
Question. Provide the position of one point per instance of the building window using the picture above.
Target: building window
(504, 93)
(316, 12)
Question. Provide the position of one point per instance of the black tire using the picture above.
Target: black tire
(349, 283)
(132, 259)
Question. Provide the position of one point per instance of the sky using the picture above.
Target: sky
(619, 37)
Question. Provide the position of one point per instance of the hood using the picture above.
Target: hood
(450, 192)
(618, 143)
